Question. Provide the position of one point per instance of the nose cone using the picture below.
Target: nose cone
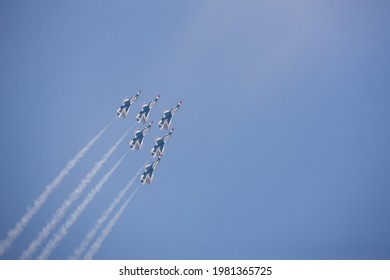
(180, 102)
(158, 96)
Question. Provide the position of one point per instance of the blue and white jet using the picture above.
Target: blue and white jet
(127, 102)
(145, 110)
(138, 139)
(166, 120)
(159, 147)
(147, 176)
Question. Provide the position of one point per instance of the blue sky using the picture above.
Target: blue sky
(280, 149)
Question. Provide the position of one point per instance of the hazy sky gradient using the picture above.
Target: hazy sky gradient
(280, 149)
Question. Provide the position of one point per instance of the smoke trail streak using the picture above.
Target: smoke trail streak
(106, 231)
(63, 231)
(23, 222)
(92, 232)
(60, 212)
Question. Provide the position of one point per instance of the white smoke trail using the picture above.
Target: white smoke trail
(23, 222)
(63, 231)
(106, 231)
(92, 232)
(60, 212)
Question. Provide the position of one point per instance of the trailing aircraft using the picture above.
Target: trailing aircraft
(159, 147)
(127, 102)
(138, 139)
(147, 176)
(145, 110)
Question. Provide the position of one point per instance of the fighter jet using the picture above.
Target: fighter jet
(166, 120)
(127, 102)
(159, 147)
(138, 139)
(147, 176)
(145, 110)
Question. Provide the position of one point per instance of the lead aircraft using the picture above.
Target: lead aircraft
(166, 120)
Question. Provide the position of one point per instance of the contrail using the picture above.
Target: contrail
(63, 231)
(106, 231)
(23, 222)
(92, 232)
(60, 212)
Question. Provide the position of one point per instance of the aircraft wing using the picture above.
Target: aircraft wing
(144, 107)
(138, 134)
(159, 141)
(166, 113)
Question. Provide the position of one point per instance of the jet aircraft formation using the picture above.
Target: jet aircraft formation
(139, 135)
(52, 223)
